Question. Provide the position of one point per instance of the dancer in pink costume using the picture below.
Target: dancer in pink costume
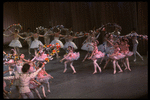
(43, 77)
(115, 56)
(95, 55)
(124, 49)
(70, 57)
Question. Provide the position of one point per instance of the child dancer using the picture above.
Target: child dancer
(94, 56)
(70, 57)
(115, 56)
(124, 49)
(24, 79)
(43, 77)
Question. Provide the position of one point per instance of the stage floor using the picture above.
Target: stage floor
(85, 85)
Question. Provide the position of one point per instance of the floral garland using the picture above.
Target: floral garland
(14, 25)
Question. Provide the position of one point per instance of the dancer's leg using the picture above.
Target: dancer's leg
(85, 57)
(119, 67)
(37, 92)
(43, 90)
(98, 66)
(114, 65)
(65, 64)
(127, 60)
(106, 63)
(74, 71)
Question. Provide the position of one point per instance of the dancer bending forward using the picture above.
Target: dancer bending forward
(70, 57)
(94, 56)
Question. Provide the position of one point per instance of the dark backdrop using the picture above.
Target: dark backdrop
(81, 16)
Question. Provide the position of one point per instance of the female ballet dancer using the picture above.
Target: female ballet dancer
(24, 79)
(115, 56)
(88, 44)
(27, 34)
(70, 57)
(124, 49)
(47, 33)
(69, 41)
(56, 39)
(15, 42)
(95, 55)
(36, 42)
(43, 77)
(134, 35)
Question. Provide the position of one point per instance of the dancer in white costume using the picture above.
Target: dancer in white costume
(35, 44)
(88, 44)
(47, 33)
(135, 44)
(27, 34)
(15, 42)
(69, 42)
(56, 38)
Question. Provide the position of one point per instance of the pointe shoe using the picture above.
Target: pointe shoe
(64, 70)
(125, 68)
(120, 71)
(134, 60)
(74, 73)
(48, 91)
(129, 69)
(114, 72)
(94, 72)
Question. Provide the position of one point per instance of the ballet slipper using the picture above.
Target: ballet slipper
(64, 70)
(74, 72)
(120, 71)
(114, 72)
(125, 68)
(129, 69)
(94, 72)
(48, 91)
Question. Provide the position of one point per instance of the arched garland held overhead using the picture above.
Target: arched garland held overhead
(16, 26)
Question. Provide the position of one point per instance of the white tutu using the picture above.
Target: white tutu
(87, 46)
(35, 44)
(56, 40)
(15, 43)
(109, 50)
(101, 47)
(70, 43)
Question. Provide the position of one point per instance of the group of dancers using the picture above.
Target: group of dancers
(29, 74)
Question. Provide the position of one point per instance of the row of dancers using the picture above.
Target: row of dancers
(113, 49)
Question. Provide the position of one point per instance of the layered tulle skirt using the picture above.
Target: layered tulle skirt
(98, 54)
(87, 46)
(15, 43)
(116, 56)
(57, 41)
(35, 44)
(70, 43)
(74, 56)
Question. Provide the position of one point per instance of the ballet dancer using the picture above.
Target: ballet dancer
(47, 33)
(135, 43)
(56, 39)
(70, 57)
(15, 43)
(43, 77)
(36, 42)
(115, 56)
(124, 49)
(88, 44)
(24, 79)
(95, 55)
(29, 41)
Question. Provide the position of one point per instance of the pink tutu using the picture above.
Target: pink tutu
(32, 69)
(117, 56)
(74, 56)
(128, 53)
(98, 54)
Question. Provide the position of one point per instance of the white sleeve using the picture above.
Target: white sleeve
(8, 77)
(32, 75)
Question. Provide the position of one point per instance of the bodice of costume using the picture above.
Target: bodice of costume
(116, 50)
